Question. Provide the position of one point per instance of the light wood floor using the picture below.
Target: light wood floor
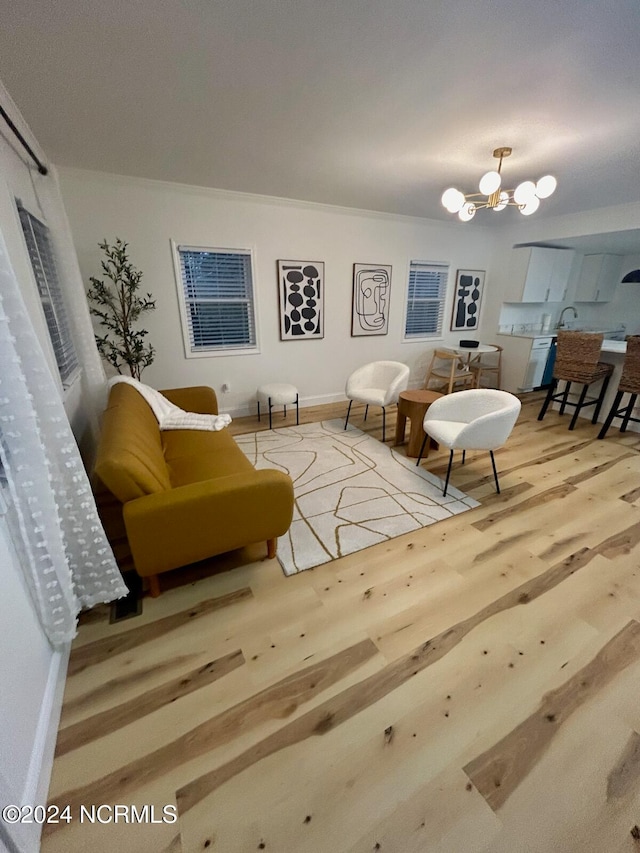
(474, 686)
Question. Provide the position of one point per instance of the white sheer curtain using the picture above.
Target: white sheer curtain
(65, 554)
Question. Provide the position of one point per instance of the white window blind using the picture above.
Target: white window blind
(40, 249)
(426, 293)
(218, 298)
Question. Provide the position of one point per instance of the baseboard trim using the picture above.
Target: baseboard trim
(27, 836)
(249, 408)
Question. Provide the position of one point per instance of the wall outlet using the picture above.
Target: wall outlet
(225, 387)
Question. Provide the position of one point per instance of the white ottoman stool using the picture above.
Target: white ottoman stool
(278, 394)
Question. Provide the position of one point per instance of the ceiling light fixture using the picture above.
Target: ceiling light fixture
(526, 196)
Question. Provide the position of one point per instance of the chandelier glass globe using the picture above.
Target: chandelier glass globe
(530, 206)
(546, 186)
(489, 183)
(524, 191)
(467, 212)
(452, 199)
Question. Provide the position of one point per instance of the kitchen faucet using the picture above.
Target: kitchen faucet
(561, 320)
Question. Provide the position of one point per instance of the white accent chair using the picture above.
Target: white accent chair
(478, 419)
(377, 384)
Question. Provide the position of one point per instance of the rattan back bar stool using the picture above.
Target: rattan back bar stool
(577, 361)
(629, 384)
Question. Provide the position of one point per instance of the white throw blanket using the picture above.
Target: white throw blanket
(170, 416)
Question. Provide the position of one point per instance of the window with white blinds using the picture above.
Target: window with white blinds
(38, 240)
(218, 300)
(426, 293)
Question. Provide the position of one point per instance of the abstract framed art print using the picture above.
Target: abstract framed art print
(301, 300)
(465, 313)
(370, 305)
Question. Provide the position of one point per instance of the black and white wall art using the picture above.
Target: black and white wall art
(466, 300)
(370, 306)
(301, 298)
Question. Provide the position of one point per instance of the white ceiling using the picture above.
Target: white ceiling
(376, 104)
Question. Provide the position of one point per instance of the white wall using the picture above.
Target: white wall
(148, 214)
(31, 673)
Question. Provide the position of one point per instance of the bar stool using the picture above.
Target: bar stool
(629, 384)
(447, 368)
(577, 361)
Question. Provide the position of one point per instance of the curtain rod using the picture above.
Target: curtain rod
(41, 167)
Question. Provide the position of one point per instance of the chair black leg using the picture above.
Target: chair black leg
(613, 411)
(464, 456)
(297, 411)
(348, 413)
(269, 412)
(627, 414)
(422, 447)
(545, 405)
(258, 411)
(285, 412)
(579, 405)
(565, 396)
(446, 482)
(495, 473)
(366, 412)
(384, 425)
(603, 391)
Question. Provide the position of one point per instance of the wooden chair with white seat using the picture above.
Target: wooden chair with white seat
(447, 370)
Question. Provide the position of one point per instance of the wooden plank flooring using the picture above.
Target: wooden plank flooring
(473, 687)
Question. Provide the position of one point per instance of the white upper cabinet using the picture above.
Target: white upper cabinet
(599, 277)
(538, 274)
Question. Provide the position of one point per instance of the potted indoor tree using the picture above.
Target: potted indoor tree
(116, 302)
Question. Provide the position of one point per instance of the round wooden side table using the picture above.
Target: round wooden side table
(414, 405)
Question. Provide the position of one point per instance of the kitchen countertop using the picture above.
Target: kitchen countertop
(553, 332)
(529, 335)
(613, 346)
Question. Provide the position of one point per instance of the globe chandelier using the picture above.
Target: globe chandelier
(526, 196)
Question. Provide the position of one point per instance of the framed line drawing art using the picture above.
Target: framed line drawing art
(301, 300)
(370, 303)
(465, 313)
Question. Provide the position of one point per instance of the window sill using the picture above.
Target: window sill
(421, 340)
(227, 353)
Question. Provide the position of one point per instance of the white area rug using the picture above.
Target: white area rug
(351, 491)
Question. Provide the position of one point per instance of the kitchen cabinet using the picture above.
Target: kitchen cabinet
(523, 361)
(538, 274)
(599, 277)
(540, 348)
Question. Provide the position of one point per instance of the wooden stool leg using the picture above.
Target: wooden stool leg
(627, 415)
(154, 585)
(613, 411)
(548, 399)
(579, 405)
(603, 391)
(272, 547)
